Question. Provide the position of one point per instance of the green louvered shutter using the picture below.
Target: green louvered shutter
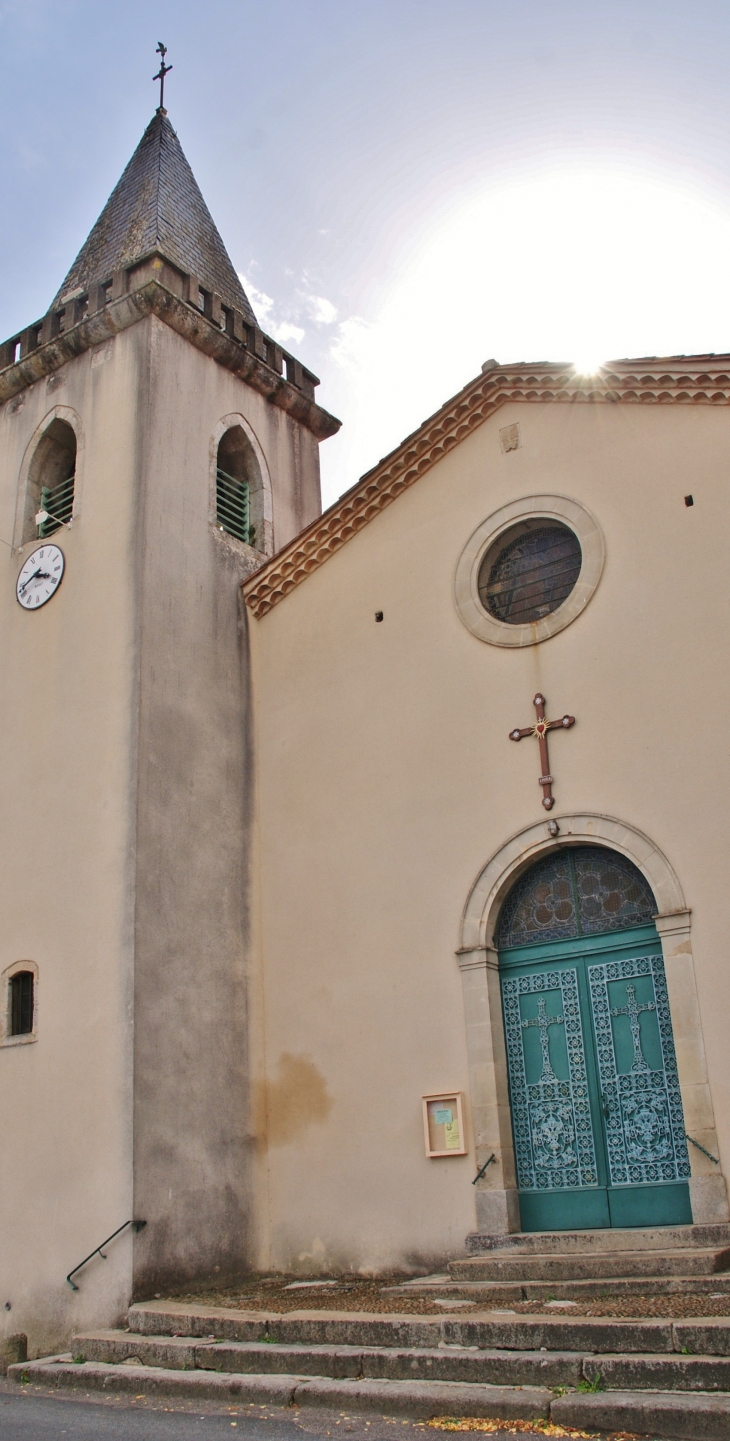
(232, 506)
(59, 504)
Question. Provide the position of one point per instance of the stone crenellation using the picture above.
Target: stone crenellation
(255, 356)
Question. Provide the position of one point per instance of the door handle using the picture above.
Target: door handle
(605, 1105)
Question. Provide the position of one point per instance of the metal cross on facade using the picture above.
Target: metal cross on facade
(633, 1012)
(544, 1021)
(540, 729)
(162, 72)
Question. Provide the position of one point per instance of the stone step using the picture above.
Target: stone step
(501, 1293)
(382, 1363)
(497, 1266)
(407, 1398)
(656, 1238)
(668, 1414)
(658, 1373)
(670, 1372)
(485, 1330)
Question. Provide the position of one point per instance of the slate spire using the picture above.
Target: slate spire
(157, 203)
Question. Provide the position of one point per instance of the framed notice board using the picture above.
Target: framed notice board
(443, 1125)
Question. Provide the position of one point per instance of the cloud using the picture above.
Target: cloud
(263, 304)
(285, 331)
(321, 310)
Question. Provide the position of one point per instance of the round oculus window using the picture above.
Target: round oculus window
(529, 571)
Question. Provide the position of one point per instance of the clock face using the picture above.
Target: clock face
(40, 577)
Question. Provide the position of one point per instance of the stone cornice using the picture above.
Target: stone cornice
(677, 380)
(40, 356)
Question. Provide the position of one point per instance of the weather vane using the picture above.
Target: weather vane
(161, 73)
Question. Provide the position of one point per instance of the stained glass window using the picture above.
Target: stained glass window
(575, 891)
(531, 575)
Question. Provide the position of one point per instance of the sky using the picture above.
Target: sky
(408, 187)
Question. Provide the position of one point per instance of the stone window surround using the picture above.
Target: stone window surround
(531, 507)
(72, 419)
(5, 978)
(497, 1205)
(227, 423)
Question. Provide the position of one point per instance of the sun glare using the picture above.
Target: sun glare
(587, 367)
(587, 264)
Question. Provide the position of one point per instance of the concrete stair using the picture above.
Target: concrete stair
(669, 1379)
(564, 1243)
(503, 1293)
(581, 1265)
(591, 1266)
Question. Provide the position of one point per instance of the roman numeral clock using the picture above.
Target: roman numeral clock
(40, 577)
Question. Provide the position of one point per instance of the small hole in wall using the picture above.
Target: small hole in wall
(689, 500)
(378, 615)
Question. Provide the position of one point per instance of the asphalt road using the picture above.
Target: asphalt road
(36, 1414)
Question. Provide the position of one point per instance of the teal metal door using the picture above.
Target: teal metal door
(596, 1109)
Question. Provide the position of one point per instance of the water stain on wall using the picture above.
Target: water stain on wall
(295, 1099)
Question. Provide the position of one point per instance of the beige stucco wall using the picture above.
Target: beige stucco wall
(125, 783)
(192, 1129)
(68, 739)
(386, 782)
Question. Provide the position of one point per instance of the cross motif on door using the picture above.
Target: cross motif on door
(544, 1021)
(633, 1012)
(540, 729)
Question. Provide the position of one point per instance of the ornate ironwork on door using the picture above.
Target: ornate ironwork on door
(640, 1090)
(554, 1145)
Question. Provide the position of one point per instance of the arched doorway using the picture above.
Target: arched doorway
(596, 1109)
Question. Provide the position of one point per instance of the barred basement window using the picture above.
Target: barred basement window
(530, 571)
(21, 1003)
(232, 505)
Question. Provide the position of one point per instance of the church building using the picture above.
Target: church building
(361, 872)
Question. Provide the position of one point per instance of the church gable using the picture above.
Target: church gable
(673, 380)
(410, 767)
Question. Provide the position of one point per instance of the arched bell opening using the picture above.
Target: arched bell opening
(595, 1104)
(239, 509)
(49, 494)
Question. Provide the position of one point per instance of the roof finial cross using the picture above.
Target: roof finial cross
(540, 729)
(161, 73)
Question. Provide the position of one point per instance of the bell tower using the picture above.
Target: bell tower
(166, 446)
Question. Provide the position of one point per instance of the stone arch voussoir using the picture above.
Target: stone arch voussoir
(501, 871)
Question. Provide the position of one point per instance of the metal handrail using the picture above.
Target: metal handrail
(705, 1152)
(480, 1173)
(98, 1251)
